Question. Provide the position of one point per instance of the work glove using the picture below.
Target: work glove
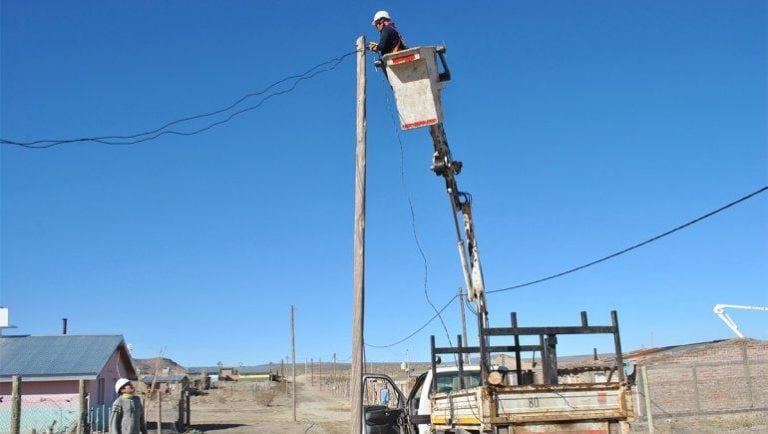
(373, 46)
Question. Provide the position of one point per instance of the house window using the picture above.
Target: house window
(100, 392)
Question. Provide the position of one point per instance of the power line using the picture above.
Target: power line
(404, 184)
(581, 267)
(638, 245)
(320, 68)
(417, 330)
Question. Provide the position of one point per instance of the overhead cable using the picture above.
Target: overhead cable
(636, 246)
(320, 68)
(417, 330)
(581, 267)
(406, 192)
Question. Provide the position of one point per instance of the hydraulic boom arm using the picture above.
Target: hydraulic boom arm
(719, 310)
(461, 203)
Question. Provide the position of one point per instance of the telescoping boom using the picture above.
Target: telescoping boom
(417, 80)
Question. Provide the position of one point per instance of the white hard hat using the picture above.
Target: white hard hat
(120, 383)
(379, 15)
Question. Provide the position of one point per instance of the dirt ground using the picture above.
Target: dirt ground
(243, 407)
(248, 407)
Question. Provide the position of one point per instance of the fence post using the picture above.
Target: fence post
(187, 409)
(649, 413)
(159, 411)
(16, 405)
(180, 417)
(83, 420)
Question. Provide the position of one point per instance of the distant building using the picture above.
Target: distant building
(51, 368)
(255, 373)
(166, 383)
(201, 377)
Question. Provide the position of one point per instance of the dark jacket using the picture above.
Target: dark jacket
(390, 37)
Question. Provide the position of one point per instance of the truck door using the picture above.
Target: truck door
(418, 406)
(383, 406)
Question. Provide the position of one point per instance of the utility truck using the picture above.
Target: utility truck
(484, 398)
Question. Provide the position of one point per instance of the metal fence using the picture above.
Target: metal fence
(41, 415)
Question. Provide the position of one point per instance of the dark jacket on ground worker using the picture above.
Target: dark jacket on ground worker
(390, 39)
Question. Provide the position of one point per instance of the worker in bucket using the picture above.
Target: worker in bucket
(127, 416)
(390, 41)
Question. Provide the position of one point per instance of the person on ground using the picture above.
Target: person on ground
(127, 415)
(384, 396)
(390, 40)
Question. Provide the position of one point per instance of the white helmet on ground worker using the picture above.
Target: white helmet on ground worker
(379, 15)
(120, 383)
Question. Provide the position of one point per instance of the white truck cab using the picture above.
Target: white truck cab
(448, 380)
(411, 414)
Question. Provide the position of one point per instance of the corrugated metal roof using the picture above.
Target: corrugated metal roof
(260, 369)
(56, 356)
(196, 370)
(163, 378)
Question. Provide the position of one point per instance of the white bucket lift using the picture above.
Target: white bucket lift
(417, 82)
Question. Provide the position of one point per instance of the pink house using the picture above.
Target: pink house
(51, 368)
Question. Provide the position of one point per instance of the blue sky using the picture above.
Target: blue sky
(584, 128)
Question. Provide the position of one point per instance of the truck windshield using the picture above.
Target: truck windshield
(449, 381)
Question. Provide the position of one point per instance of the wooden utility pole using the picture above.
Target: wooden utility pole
(293, 359)
(159, 411)
(16, 405)
(358, 298)
(83, 420)
(312, 371)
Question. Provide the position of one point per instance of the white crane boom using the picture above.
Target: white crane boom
(719, 310)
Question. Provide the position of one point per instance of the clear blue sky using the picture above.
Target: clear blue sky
(584, 127)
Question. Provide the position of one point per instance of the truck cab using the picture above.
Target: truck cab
(410, 414)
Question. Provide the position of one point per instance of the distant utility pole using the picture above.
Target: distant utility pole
(358, 297)
(312, 371)
(463, 325)
(293, 358)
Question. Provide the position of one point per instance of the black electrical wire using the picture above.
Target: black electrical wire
(157, 132)
(407, 194)
(636, 246)
(437, 314)
(581, 267)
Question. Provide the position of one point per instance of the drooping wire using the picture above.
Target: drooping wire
(320, 68)
(437, 314)
(636, 246)
(406, 192)
(554, 276)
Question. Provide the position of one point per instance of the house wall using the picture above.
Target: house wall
(112, 371)
(39, 391)
(42, 402)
